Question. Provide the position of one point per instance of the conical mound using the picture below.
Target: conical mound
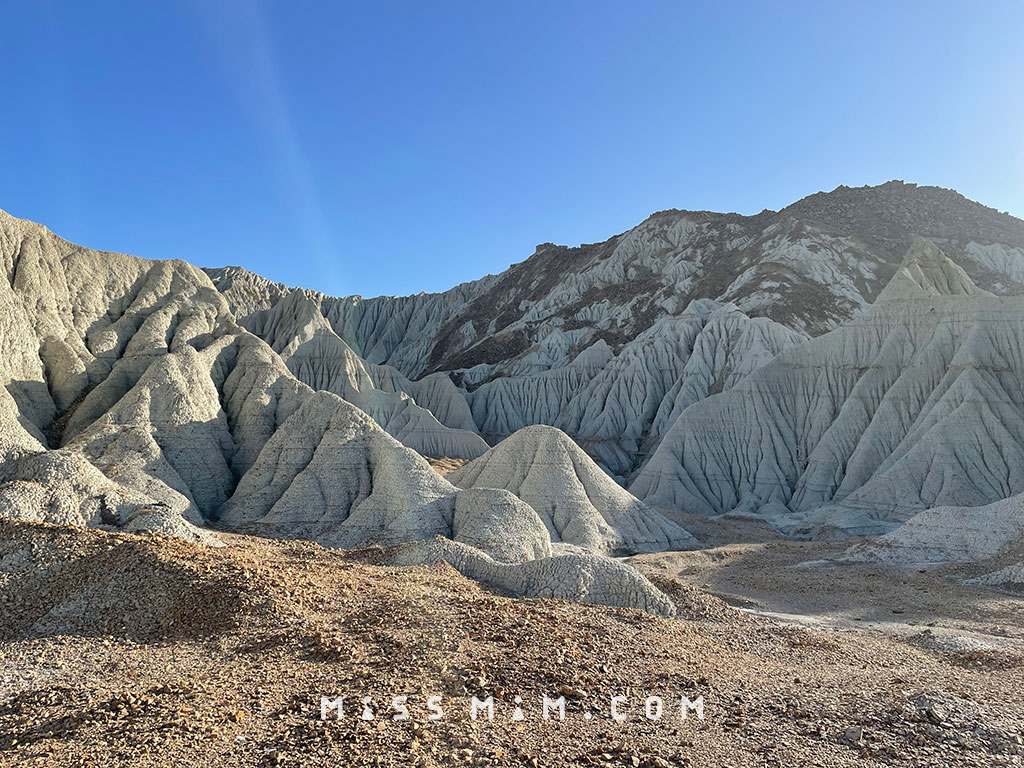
(578, 502)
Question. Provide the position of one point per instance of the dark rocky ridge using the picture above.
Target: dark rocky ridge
(509, 340)
(882, 216)
(875, 223)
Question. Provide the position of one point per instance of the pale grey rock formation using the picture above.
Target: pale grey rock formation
(62, 487)
(582, 578)
(949, 535)
(317, 356)
(80, 327)
(506, 404)
(622, 412)
(600, 340)
(810, 267)
(131, 386)
(329, 473)
(167, 437)
(395, 330)
(577, 502)
(162, 401)
(729, 346)
(617, 406)
(500, 524)
(914, 405)
(132, 400)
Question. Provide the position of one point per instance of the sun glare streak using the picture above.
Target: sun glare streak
(238, 31)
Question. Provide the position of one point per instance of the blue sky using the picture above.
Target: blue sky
(393, 147)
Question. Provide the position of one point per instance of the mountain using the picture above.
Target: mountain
(133, 400)
(578, 503)
(612, 341)
(918, 403)
(838, 366)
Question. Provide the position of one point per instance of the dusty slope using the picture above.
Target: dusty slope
(227, 667)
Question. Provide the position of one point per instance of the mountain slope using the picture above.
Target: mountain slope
(611, 341)
(917, 404)
(132, 400)
(811, 267)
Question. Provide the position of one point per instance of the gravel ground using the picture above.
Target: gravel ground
(801, 583)
(144, 651)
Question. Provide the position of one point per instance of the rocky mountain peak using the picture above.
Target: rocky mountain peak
(889, 215)
(504, 345)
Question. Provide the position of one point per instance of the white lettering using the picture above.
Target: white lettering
(616, 700)
(554, 704)
(398, 704)
(434, 705)
(697, 705)
(476, 706)
(327, 704)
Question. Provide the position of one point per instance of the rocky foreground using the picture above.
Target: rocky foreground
(121, 649)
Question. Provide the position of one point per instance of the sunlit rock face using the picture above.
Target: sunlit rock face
(916, 404)
(132, 400)
(610, 342)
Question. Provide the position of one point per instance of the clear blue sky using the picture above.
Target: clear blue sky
(392, 147)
